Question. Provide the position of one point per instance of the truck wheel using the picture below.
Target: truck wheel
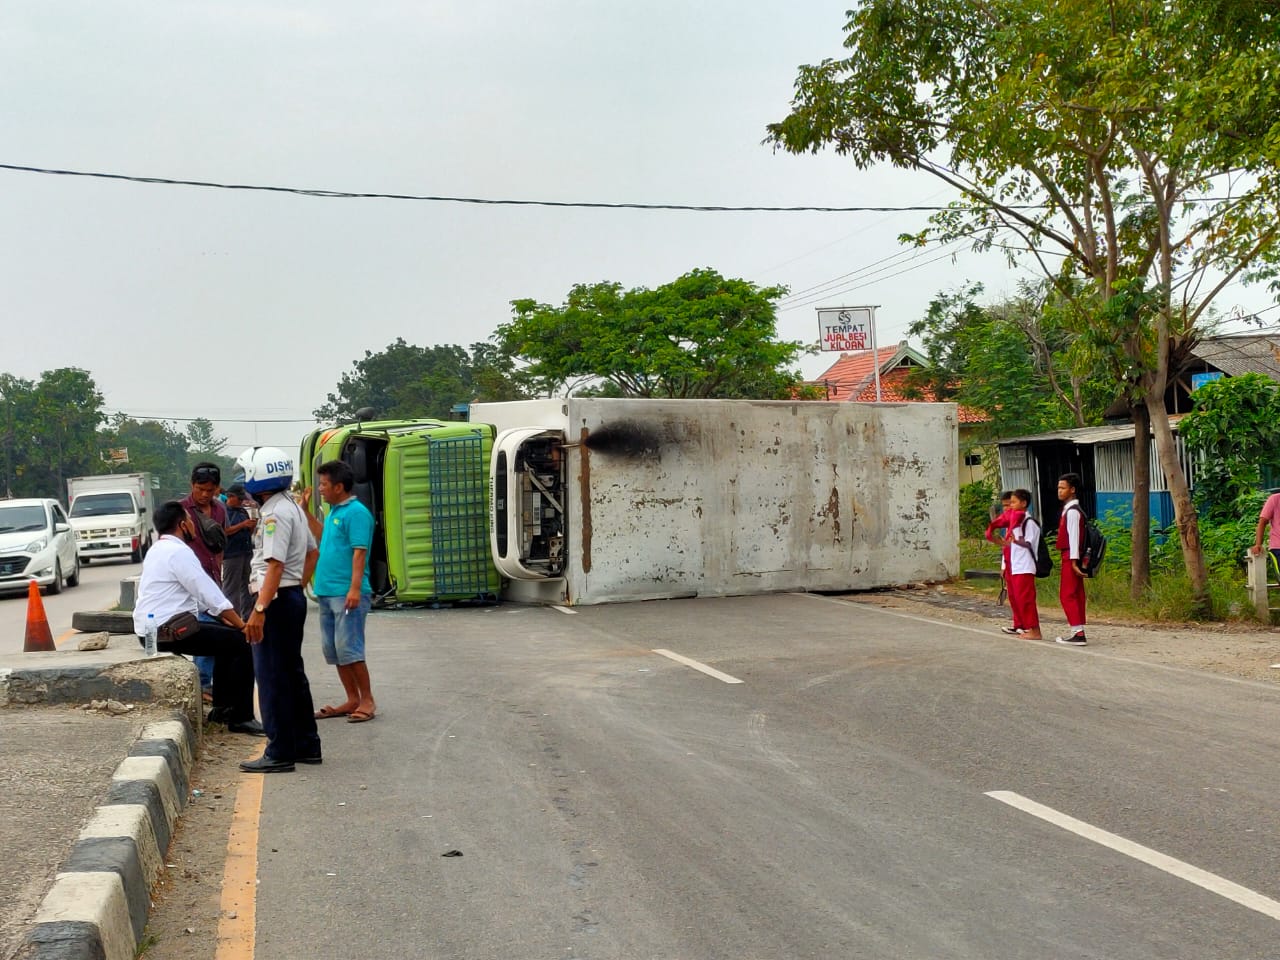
(136, 556)
(74, 579)
(55, 588)
(146, 546)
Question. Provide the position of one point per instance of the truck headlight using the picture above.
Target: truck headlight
(35, 546)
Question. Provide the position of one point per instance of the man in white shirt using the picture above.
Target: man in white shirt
(174, 583)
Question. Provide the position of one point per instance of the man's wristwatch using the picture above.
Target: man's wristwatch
(259, 608)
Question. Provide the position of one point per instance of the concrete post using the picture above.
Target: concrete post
(128, 593)
(1257, 571)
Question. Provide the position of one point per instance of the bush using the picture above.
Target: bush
(976, 500)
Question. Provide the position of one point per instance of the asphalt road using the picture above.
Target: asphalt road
(610, 802)
(99, 589)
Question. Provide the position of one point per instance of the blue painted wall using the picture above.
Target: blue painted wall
(1120, 505)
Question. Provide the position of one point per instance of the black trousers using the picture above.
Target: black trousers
(232, 668)
(284, 693)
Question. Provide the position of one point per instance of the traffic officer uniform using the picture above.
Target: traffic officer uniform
(288, 713)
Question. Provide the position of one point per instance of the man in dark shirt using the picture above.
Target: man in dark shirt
(206, 479)
(239, 550)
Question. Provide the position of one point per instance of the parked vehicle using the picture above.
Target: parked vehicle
(112, 515)
(426, 482)
(36, 543)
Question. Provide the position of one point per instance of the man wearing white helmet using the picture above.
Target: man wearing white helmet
(284, 556)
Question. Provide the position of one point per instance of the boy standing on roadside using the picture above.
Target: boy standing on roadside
(1024, 541)
(1070, 542)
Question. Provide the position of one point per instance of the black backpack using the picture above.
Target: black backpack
(1044, 561)
(1093, 547)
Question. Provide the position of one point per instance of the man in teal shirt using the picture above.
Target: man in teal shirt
(341, 586)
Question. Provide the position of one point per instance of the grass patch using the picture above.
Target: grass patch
(1168, 599)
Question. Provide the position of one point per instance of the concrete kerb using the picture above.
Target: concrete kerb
(120, 672)
(101, 897)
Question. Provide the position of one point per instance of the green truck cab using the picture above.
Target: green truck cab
(427, 484)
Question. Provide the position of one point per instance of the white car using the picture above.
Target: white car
(36, 543)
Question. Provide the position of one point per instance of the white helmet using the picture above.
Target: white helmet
(266, 469)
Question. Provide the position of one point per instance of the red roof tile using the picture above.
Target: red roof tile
(852, 377)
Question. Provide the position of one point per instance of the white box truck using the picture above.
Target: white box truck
(111, 515)
(597, 500)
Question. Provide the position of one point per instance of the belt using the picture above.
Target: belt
(292, 586)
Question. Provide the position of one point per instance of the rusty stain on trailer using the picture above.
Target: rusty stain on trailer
(832, 512)
(584, 496)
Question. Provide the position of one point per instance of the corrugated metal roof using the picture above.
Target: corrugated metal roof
(1086, 436)
(1242, 353)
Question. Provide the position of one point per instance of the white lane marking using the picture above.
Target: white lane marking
(1184, 871)
(905, 616)
(556, 606)
(709, 671)
(1185, 671)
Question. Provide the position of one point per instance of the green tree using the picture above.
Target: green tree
(154, 447)
(17, 420)
(1235, 431)
(205, 446)
(203, 443)
(1010, 360)
(702, 335)
(405, 381)
(1136, 140)
(48, 429)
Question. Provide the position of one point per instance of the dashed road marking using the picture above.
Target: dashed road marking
(1170, 865)
(709, 671)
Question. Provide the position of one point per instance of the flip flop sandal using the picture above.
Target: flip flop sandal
(1012, 631)
(359, 716)
(328, 713)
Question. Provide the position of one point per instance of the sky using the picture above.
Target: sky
(247, 307)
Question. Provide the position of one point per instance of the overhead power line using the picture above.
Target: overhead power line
(485, 201)
(213, 418)
(509, 202)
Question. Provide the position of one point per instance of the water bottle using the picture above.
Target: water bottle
(149, 638)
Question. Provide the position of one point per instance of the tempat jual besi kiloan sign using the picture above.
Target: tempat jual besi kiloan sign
(846, 329)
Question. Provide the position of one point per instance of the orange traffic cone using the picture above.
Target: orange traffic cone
(39, 636)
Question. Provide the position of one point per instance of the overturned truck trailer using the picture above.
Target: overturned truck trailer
(599, 500)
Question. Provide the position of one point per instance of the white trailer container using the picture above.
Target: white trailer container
(600, 500)
(111, 515)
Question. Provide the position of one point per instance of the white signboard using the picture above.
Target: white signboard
(847, 329)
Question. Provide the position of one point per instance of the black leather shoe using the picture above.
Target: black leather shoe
(311, 760)
(267, 765)
(251, 727)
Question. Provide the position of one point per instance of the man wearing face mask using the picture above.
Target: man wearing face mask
(174, 585)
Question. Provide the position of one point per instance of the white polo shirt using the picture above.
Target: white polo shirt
(173, 582)
(1022, 559)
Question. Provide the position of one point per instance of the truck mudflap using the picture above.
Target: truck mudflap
(527, 504)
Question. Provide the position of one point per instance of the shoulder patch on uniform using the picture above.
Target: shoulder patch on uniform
(270, 527)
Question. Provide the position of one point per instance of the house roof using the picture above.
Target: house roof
(1086, 436)
(1241, 353)
(846, 378)
(852, 378)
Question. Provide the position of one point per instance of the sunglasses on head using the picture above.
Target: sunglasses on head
(206, 475)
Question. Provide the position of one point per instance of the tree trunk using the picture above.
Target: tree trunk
(1184, 510)
(1140, 558)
